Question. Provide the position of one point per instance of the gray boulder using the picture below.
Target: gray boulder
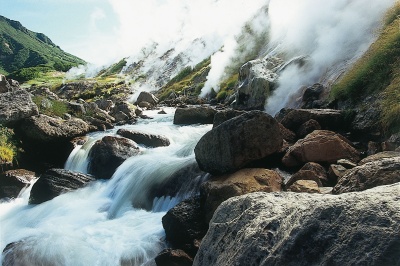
(195, 115)
(377, 173)
(149, 140)
(54, 182)
(225, 115)
(109, 153)
(305, 229)
(13, 181)
(123, 111)
(15, 106)
(145, 96)
(237, 142)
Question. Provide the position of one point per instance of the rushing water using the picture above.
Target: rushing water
(99, 224)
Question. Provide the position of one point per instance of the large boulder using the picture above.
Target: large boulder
(377, 173)
(15, 106)
(54, 182)
(256, 78)
(378, 156)
(149, 140)
(221, 188)
(238, 141)
(109, 153)
(321, 146)
(327, 118)
(225, 115)
(305, 229)
(13, 181)
(194, 115)
(184, 224)
(145, 96)
(123, 112)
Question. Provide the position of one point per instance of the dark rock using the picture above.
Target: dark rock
(346, 163)
(15, 106)
(184, 223)
(55, 182)
(320, 146)
(373, 147)
(311, 96)
(105, 104)
(237, 142)
(378, 156)
(145, 105)
(149, 140)
(4, 85)
(304, 186)
(221, 188)
(43, 92)
(287, 134)
(173, 257)
(305, 229)
(77, 109)
(366, 122)
(162, 112)
(225, 115)
(147, 97)
(304, 175)
(327, 118)
(109, 153)
(13, 181)
(369, 175)
(94, 111)
(99, 124)
(126, 108)
(318, 170)
(307, 127)
(195, 115)
(392, 143)
(335, 172)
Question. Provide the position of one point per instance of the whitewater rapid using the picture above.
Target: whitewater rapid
(98, 225)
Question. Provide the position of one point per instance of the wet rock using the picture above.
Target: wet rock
(312, 95)
(173, 257)
(225, 115)
(55, 182)
(298, 229)
(307, 127)
(195, 115)
(147, 97)
(369, 175)
(149, 140)
(304, 186)
(15, 106)
(13, 181)
(237, 142)
(221, 188)
(320, 146)
(109, 153)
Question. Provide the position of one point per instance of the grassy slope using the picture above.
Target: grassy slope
(377, 72)
(22, 48)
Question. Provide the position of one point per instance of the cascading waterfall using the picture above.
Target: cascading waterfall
(101, 224)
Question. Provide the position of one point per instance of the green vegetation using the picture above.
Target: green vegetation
(8, 148)
(22, 49)
(227, 87)
(377, 72)
(113, 69)
(50, 107)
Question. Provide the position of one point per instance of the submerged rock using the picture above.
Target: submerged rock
(238, 141)
(305, 229)
(109, 153)
(54, 182)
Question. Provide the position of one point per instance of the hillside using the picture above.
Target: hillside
(21, 48)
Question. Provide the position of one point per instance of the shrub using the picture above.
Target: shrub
(8, 148)
(50, 107)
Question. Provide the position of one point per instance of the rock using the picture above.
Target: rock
(237, 142)
(311, 95)
(77, 109)
(13, 181)
(335, 172)
(185, 223)
(318, 170)
(366, 121)
(346, 163)
(105, 105)
(377, 173)
(320, 146)
(304, 175)
(305, 229)
(373, 147)
(126, 108)
(307, 127)
(94, 111)
(173, 257)
(145, 105)
(15, 106)
(109, 153)
(378, 156)
(306, 186)
(120, 117)
(221, 188)
(43, 92)
(196, 115)
(256, 80)
(147, 97)
(4, 85)
(149, 140)
(287, 134)
(225, 115)
(327, 118)
(162, 112)
(100, 125)
(392, 143)
(54, 182)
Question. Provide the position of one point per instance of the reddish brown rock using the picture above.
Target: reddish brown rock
(304, 175)
(306, 186)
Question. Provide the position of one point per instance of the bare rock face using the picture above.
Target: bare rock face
(377, 173)
(109, 153)
(305, 229)
(13, 181)
(305, 186)
(238, 141)
(15, 106)
(221, 188)
(54, 182)
(195, 115)
(149, 140)
(320, 146)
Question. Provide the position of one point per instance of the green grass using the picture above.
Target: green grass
(50, 107)
(377, 72)
(8, 148)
